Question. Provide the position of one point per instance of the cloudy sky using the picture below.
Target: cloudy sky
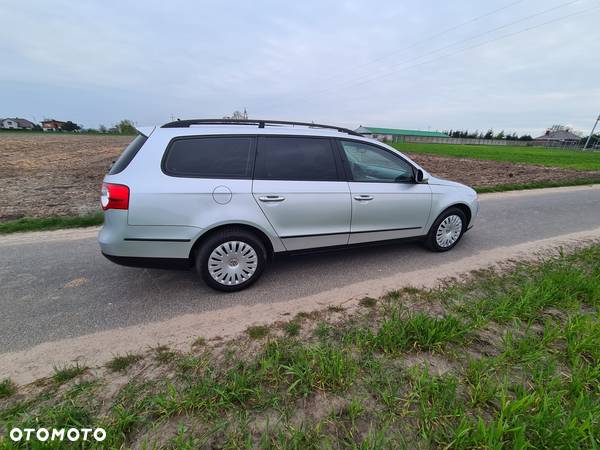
(422, 64)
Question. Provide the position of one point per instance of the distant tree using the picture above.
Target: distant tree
(500, 135)
(125, 127)
(102, 129)
(489, 134)
(238, 115)
(70, 126)
(525, 137)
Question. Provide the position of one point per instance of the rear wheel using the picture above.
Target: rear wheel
(231, 260)
(447, 230)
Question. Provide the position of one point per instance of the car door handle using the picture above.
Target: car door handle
(363, 198)
(271, 198)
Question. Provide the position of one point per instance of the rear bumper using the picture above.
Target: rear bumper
(151, 263)
(118, 238)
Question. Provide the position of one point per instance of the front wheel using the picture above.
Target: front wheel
(231, 260)
(447, 230)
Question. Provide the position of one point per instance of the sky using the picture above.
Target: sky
(518, 66)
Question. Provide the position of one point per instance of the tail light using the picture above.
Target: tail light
(114, 196)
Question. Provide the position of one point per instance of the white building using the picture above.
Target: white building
(16, 124)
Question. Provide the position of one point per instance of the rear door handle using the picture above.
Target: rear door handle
(271, 198)
(363, 198)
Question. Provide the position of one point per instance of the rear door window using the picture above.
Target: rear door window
(210, 157)
(128, 154)
(296, 158)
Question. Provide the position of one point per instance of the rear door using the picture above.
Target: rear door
(387, 203)
(300, 187)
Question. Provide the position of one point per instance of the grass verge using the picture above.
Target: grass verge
(50, 223)
(506, 360)
(536, 185)
(567, 159)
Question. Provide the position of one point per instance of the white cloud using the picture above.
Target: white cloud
(385, 63)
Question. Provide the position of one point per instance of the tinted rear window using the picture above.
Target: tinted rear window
(210, 157)
(295, 158)
(128, 154)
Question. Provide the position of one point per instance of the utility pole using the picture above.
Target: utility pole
(591, 132)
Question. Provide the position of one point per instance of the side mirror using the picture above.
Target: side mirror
(421, 177)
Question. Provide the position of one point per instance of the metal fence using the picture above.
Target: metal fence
(594, 144)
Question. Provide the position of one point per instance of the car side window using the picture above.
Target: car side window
(295, 158)
(368, 163)
(210, 157)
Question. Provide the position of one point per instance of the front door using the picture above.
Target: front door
(299, 186)
(387, 203)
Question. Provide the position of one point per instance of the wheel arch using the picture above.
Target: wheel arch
(249, 228)
(462, 206)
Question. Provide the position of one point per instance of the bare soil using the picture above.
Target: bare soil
(45, 175)
(54, 174)
(480, 173)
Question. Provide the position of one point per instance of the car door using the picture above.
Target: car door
(387, 203)
(300, 187)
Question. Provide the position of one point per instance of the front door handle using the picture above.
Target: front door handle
(271, 198)
(363, 198)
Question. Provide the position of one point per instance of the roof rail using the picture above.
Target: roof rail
(260, 123)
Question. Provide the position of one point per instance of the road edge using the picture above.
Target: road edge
(180, 332)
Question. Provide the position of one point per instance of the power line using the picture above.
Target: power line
(366, 78)
(462, 41)
(433, 36)
(504, 36)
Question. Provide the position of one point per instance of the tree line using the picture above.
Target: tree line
(490, 134)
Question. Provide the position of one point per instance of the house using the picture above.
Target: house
(558, 134)
(397, 135)
(16, 124)
(52, 125)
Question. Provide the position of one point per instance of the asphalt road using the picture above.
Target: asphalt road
(59, 289)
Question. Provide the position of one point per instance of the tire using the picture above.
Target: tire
(447, 242)
(239, 254)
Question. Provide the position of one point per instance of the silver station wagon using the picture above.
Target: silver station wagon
(223, 196)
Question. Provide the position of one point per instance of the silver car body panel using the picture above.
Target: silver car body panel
(167, 215)
(306, 214)
(388, 210)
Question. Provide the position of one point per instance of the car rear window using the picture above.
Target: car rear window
(295, 158)
(210, 157)
(128, 154)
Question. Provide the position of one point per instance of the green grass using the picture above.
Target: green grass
(292, 328)
(121, 363)
(50, 223)
(537, 185)
(567, 159)
(164, 355)
(498, 361)
(7, 388)
(368, 302)
(257, 331)
(67, 373)
(403, 332)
